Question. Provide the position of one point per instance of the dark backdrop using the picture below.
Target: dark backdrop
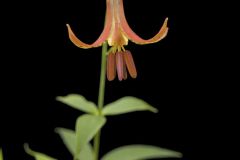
(40, 63)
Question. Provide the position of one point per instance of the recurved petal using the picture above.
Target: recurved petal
(133, 36)
(75, 40)
(103, 37)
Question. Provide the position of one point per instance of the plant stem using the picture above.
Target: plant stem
(101, 97)
(101, 92)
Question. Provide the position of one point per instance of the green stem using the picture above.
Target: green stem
(101, 97)
(102, 77)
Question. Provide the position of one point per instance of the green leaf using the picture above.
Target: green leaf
(69, 139)
(86, 153)
(37, 155)
(1, 154)
(127, 104)
(86, 127)
(79, 102)
(137, 152)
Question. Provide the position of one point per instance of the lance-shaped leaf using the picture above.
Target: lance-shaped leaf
(79, 102)
(137, 152)
(86, 153)
(1, 154)
(69, 139)
(126, 105)
(86, 128)
(37, 155)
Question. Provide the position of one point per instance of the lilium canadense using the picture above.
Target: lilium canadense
(117, 32)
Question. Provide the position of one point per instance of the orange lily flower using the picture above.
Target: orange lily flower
(117, 32)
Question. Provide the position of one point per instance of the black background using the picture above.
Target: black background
(39, 63)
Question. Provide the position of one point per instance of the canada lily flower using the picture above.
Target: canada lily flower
(117, 32)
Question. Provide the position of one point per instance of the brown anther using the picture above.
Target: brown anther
(130, 64)
(111, 67)
(120, 65)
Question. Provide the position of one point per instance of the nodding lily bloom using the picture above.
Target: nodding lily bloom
(117, 32)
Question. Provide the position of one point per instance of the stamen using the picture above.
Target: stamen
(130, 64)
(124, 70)
(111, 67)
(119, 64)
(118, 48)
(123, 49)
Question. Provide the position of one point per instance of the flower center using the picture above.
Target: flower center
(120, 62)
(117, 38)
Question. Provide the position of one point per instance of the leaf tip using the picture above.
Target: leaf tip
(26, 146)
(27, 149)
(179, 155)
(154, 110)
(57, 130)
(59, 98)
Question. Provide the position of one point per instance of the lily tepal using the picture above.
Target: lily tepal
(117, 32)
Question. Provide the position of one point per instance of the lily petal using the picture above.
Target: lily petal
(104, 35)
(133, 36)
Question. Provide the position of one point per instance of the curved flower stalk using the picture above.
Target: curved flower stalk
(117, 32)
